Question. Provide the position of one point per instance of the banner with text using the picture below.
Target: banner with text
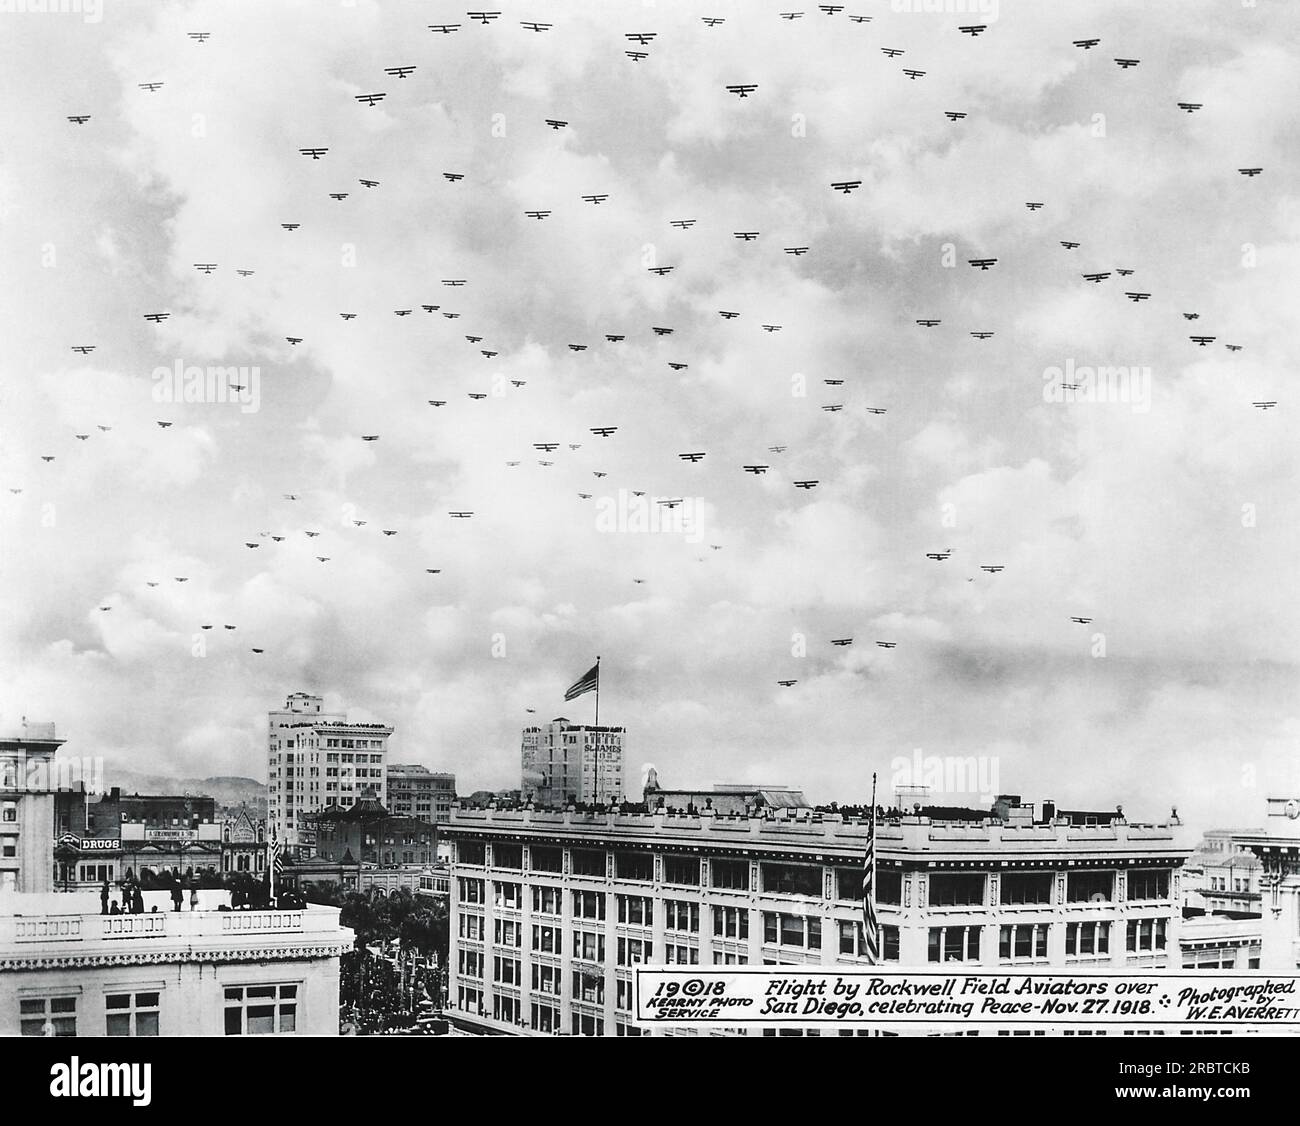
(872, 997)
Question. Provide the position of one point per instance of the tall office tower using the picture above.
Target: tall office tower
(316, 758)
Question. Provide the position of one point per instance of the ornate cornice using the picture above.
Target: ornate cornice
(161, 957)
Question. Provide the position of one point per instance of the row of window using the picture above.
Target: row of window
(1016, 942)
(249, 1010)
(1028, 941)
(947, 889)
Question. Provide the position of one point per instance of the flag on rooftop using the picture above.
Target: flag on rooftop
(587, 682)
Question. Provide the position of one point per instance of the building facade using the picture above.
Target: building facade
(243, 844)
(552, 911)
(315, 758)
(28, 784)
(723, 798)
(70, 971)
(1222, 874)
(417, 791)
(565, 762)
(110, 836)
(1277, 847)
(370, 835)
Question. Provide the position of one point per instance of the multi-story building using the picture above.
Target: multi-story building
(113, 835)
(567, 762)
(1218, 942)
(551, 911)
(28, 784)
(417, 791)
(69, 970)
(243, 844)
(1222, 875)
(369, 835)
(315, 758)
(723, 798)
(1277, 847)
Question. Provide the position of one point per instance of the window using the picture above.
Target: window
(546, 1018)
(589, 946)
(471, 927)
(1025, 887)
(849, 938)
(731, 922)
(681, 870)
(546, 940)
(589, 986)
(1022, 942)
(635, 910)
(505, 1008)
(508, 895)
(889, 944)
(584, 1024)
(471, 963)
(545, 859)
(1149, 883)
(677, 955)
(1210, 960)
(256, 1010)
(471, 891)
(634, 951)
(1090, 887)
(954, 944)
(681, 916)
(623, 1000)
(587, 862)
(131, 1014)
(731, 875)
(888, 888)
(548, 901)
(791, 879)
(546, 979)
(469, 1000)
(792, 930)
(508, 933)
(471, 852)
(507, 856)
(1145, 935)
(9, 812)
(634, 866)
(59, 1013)
(9, 847)
(588, 905)
(956, 889)
(1085, 939)
(506, 971)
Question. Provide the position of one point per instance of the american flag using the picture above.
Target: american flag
(273, 851)
(585, 683)
(870, 928)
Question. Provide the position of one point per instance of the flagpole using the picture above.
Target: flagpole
(597, 724)
(871, 927)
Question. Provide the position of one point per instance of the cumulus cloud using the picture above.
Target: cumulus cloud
(1171, 527)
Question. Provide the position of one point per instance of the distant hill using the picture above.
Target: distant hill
(227, 790)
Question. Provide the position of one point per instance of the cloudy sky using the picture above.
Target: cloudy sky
(1169, 521)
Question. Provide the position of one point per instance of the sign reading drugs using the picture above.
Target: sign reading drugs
(870, 997)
